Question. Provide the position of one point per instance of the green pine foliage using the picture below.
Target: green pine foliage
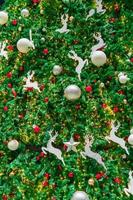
(22, 171)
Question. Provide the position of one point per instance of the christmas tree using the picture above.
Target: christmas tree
(66, 100)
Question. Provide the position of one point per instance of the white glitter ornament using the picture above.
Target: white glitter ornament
(24, 44)
(3, 17)
(25, 12)
(13, 145)
(98, 58)
(130, 138)
(80, 195)
(72, 92)
(57, 70)
(122, 78)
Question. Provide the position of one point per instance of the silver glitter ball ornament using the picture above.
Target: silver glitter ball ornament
(80, 195)
(25, 12)
(98, 58)
(72, 92)
(13, 145)
(57, 70)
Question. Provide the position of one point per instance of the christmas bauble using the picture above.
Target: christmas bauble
(131, 131)
(123, 78)
(13, 145)
(80, 195)
(130, 139)
(57, 70)
(3, 17)
(72, 92)
(24, 45)
(25, 12)
(98, 58)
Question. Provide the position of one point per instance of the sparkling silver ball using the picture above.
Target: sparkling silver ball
(72, 92)
(3, 17)
(102, 85)
(24, 45)
(98, 58)
(80, 195)
(13, 145)
(57, 70)
(25, 12)
(130, 139)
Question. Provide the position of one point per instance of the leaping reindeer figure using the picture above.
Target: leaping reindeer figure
(51, 149)
(100, 44)
(99, 9)
(116, 139)
(30, 84)
(88, 152)
(3, 53)
(129, 190)
(64, 20)
(81, 63)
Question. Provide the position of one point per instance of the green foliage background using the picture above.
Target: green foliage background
(21, 175)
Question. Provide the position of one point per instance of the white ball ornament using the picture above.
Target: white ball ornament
(80, 195)
(57, 70)
(13, 145)
(24, 45)
(3, 17)
(25, 12)
(131, 131)
(72, 92)
(98, 58)
(130, 139)
(122, 78)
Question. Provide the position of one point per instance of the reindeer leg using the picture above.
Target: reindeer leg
(44, 150)
(83, 154)
(127, 191)
(107, 138)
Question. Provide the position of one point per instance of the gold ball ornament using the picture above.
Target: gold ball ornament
(3, 17)
(91, 181)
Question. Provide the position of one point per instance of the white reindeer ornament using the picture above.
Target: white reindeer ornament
(100, 41)
(129, 190)
(57, 152)
(81, 62)
(88, 152)
(30, 84)
(116, 139)
(99, 9)
(3, 53)
(64, 20)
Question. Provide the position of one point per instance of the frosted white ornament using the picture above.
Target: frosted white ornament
(122, 78)
(130, 139)
(13, 145)
(72, 92)
(25, 12)
(3, 17)
(131, 131)
(98, 58)
(80, 195)
(24, 44)
(57, 70)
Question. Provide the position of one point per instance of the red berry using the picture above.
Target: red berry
(9, 85)
(47, 175)
(78, 106)
(14, 22)
(45, 51)
(88, 88)
(30, 89)
(115, 109)
(10, 48)
(4, 197)
(117, 180)
(120, 92)
(76, 136)
(112, 19)
(37, 158)
(36, 129)
(99, 175)
(5, 108)
(59, 167)
(45, 183)
(116, 8)
(65, 147)
(21, 68)
(42, 154)
(9, 74)
(70, 174)
(20, 116)
(42, 87)
(131, 59)
(104, 105)
(46, 99)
